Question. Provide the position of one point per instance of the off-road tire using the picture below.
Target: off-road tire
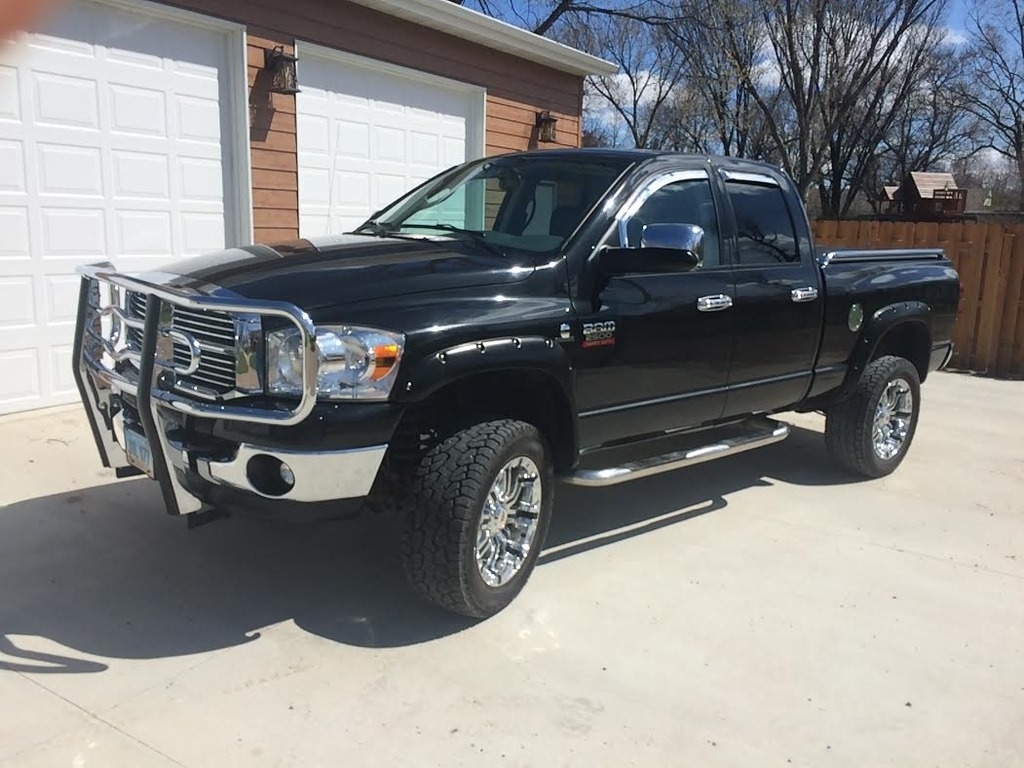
(443, 503)
(849, 423)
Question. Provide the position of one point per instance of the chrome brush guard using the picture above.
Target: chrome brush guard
(100, 354)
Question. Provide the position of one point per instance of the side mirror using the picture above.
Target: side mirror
(663, 248)
(683, 237)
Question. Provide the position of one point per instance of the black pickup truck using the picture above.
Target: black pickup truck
(583, 316)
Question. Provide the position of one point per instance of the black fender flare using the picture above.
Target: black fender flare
(882, 322)
(494, 355)
(503, 355)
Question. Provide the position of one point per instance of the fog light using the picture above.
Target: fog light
(269, 475)
(287, 475)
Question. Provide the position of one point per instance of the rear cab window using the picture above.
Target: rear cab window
(765, 233)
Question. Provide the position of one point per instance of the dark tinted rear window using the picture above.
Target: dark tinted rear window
(764, 228)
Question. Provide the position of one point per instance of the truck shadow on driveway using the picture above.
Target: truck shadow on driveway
(101, 572)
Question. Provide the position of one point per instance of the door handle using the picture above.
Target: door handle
(715, 303)
(809, 293)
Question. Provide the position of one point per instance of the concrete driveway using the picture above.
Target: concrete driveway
(758, 611)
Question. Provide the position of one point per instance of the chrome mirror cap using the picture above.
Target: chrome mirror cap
(681, 237)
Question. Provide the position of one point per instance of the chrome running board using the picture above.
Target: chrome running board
(765, 432)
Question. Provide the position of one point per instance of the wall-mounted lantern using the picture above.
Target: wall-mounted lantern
(281, 67)
(546, 126)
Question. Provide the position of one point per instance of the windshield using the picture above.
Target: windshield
(521, 202)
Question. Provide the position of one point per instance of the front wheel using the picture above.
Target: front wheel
(870, 432)
(477, 511)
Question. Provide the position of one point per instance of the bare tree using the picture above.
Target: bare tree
(828, 58)
(992, 173)
(855, 144)
(598, 131)
(997, 53)
(718, 67)
(934, 125)
(544, 16)
(684, 124)
(650, 68)
(842, 95)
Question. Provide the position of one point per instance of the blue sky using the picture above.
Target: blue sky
(958, 15)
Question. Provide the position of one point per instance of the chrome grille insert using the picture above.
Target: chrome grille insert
(215, 334)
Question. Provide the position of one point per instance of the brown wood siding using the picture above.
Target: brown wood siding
(275, 179)
(516, 89)
(511, 125)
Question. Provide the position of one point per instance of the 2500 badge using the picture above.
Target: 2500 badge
(599, 334)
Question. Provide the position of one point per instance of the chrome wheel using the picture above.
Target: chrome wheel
(892, 419)
(508, 522)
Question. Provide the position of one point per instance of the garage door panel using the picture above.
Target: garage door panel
(452, 149)
(72, 231)
(112, 129)
(391, 187)
(352, 189)
(12, 166)
(143, 233)
(61, 298)
(424, 149)
(314, 187)
(68, 31)
(198, 120)
(315, 222)
(353, 139)
(64, 101)
(14, 245)
(10, 94)
(17, 302)
(389, 144)
(140, 174)
(313, 131)
(368, 135)
(201, 180)
(201, 233)
(61, 378)
(19, 375)
(135, 109)
(69, 170)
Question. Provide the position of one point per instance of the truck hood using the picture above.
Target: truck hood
(334, 270)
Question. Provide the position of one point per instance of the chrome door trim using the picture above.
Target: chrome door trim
(633, 203)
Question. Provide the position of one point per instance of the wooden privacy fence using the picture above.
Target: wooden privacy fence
(989, 332)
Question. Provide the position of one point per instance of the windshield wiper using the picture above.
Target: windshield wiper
(376, 229)
(372, 227)
(475, 235)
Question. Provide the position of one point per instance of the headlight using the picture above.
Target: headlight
(354, 363)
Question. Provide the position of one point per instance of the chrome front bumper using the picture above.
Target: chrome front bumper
(314, 476)
(318, 475)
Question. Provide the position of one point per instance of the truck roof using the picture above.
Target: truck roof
(640, 155)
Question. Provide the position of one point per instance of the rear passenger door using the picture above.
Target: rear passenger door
(779, 304)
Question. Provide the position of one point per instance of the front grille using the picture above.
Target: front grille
(215, 332)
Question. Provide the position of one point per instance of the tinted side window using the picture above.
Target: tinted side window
(764, 230)
(682, 202)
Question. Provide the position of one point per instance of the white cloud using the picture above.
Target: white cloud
(953, 36)
(991, 160)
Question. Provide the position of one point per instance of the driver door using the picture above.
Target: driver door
(655, 349)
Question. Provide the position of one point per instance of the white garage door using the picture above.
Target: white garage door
(368, 131)
(113, 127)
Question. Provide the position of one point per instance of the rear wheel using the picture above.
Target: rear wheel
(477, 511)
(870, 432)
